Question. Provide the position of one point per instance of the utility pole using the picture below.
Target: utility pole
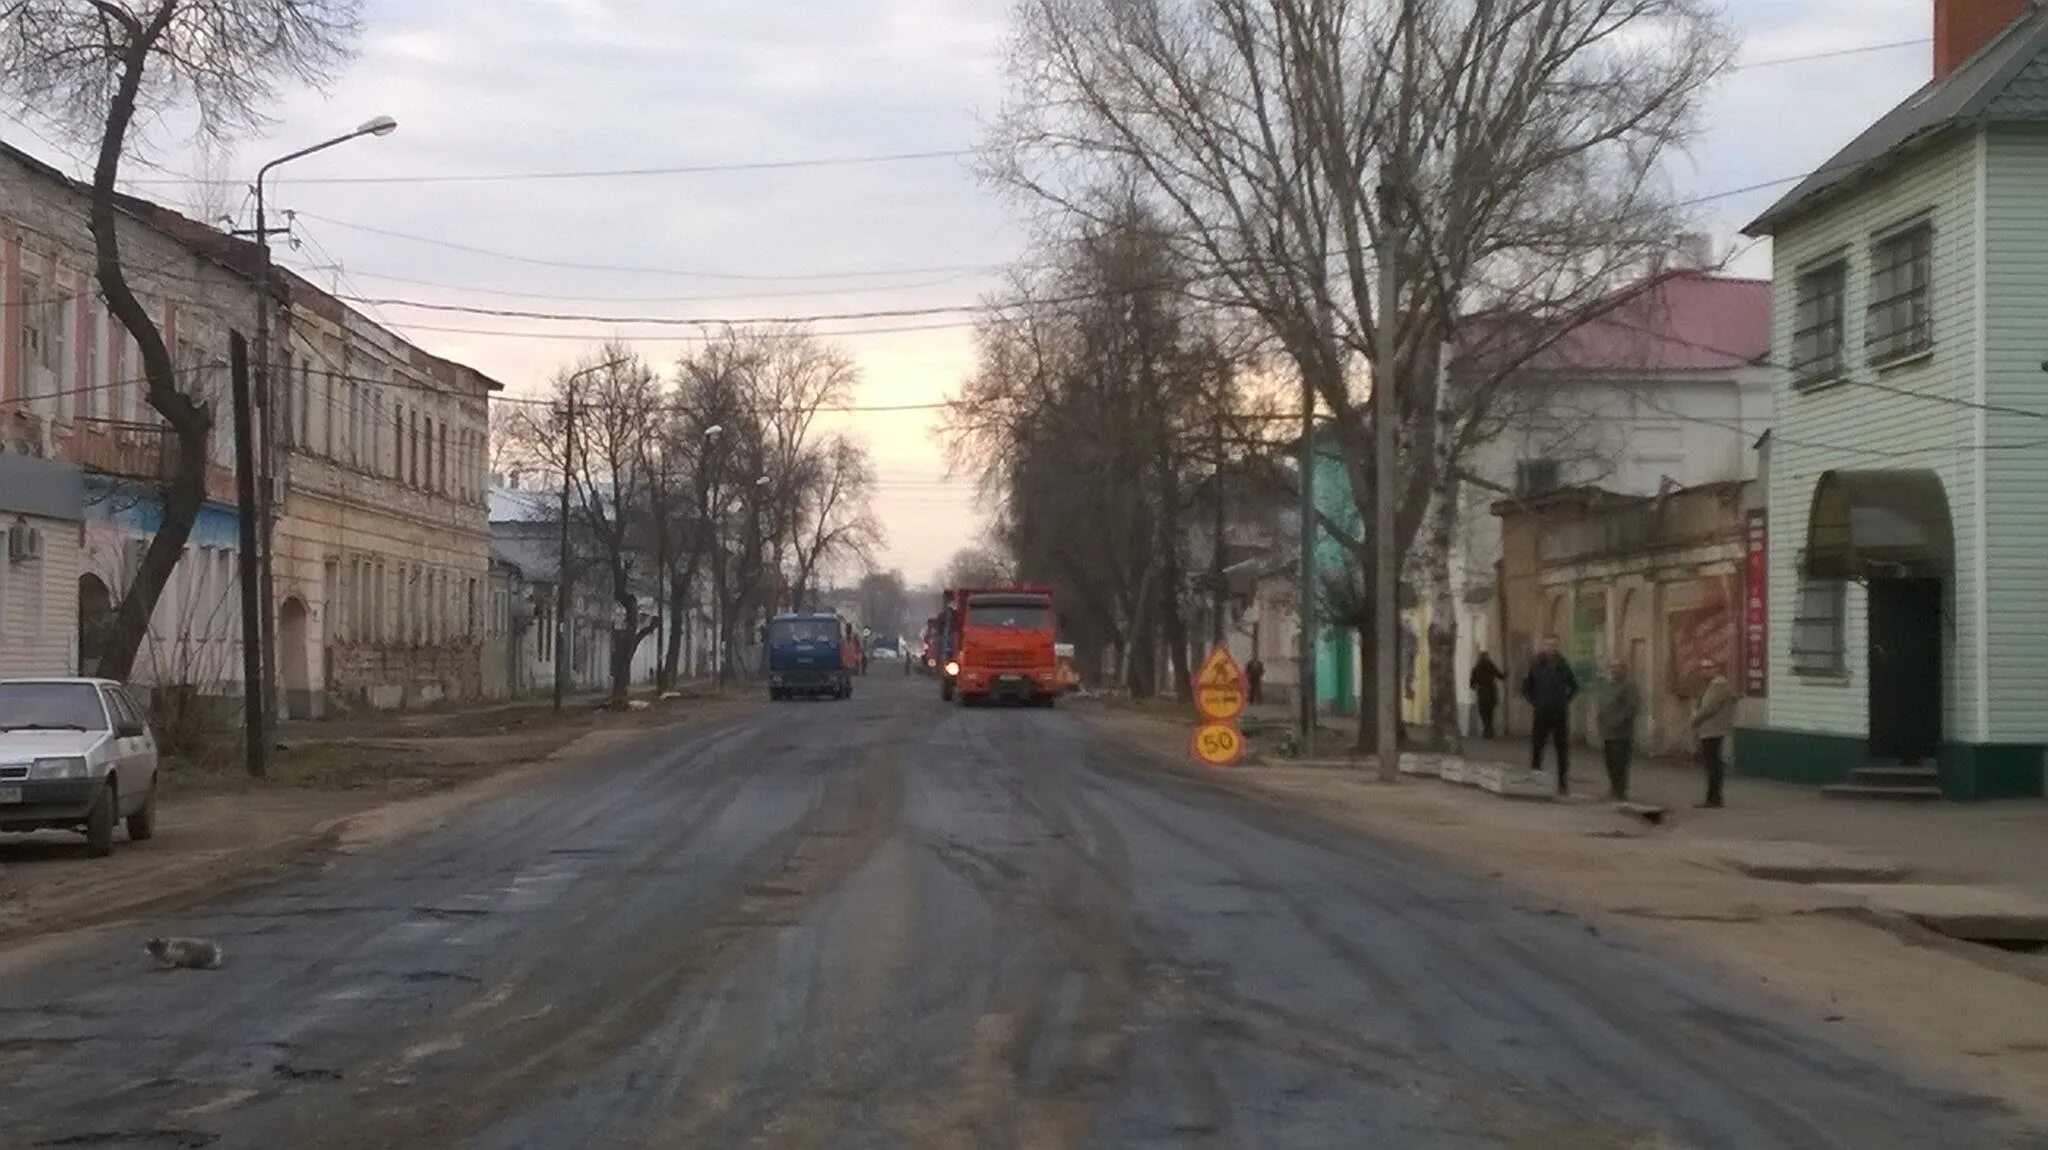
(563, 631)
(256, 749)
(1385, 413)
(1220, 593)
(1305, 659)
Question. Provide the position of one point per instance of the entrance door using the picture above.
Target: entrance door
(1905, 669)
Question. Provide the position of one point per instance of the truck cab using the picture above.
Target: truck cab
(807, 656)
(1001, 645)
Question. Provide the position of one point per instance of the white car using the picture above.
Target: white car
(76, 754)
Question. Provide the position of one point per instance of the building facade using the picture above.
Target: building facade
(383, 541)
(42, 515)
(71, 388)
(1908, 471)
(377, 451)
(1659, 582)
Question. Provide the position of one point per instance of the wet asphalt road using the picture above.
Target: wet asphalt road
(890, 922)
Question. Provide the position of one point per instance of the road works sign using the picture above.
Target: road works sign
(1217, 744)
(1219, 687)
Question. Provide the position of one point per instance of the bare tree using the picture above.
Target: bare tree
(834, 514)
(1102, 394)
(611, 474)
(1507, 155)
(90, 67)
(975, 566)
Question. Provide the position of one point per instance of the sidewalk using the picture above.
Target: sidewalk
(2001, 842)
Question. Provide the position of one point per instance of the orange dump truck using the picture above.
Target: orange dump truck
(1000, 644)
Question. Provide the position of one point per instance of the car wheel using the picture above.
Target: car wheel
(142, 824)
(99, 825)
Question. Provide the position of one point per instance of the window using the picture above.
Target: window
(442, 486)
(398, 440)
(305, 403)
(52, 705)
(96, 388)
(429, 469)
(414, 469)
(1817, 323)
(1536, 476)
(1900, 320)
(1818, 622)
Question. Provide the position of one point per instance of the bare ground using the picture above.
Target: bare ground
(345, 786)
(1972, 1018)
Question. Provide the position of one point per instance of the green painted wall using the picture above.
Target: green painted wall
(2015, 545)
(1865, 421)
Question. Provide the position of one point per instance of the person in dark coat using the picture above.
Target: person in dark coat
(1485, 683)
(1549, 687)
(1254, 675)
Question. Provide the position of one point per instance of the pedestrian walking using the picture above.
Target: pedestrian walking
(1485, 683)
(1549, 688)
(1254, 675)
(1620, 703)
(1713, 718)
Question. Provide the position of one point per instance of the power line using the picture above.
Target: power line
(481, 289)
(620, 173)
(684, 273)
(1866, 49)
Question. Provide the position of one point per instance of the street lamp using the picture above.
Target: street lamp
(266, 635)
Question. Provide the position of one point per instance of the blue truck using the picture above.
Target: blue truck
(807, 656)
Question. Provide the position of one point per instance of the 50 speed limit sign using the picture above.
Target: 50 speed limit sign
(1217, 744)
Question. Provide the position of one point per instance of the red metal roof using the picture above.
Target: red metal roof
(1677, 321)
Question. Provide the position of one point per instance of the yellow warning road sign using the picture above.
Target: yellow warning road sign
(1219, 687)
(1217, 744)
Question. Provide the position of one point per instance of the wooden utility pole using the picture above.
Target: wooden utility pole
(563, 631)
(1386, 579)
(256, 748)
(1220, 593)
(1305, 659)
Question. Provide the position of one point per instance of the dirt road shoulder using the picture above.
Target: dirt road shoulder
(215, 833)
(1978, 1025)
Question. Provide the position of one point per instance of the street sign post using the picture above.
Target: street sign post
(1217, 744)
(1220, 696)
(1219, 687)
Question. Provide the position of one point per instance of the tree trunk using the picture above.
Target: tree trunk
(184, 492)
(626, 638)
(1172, 620)
(1443, 614)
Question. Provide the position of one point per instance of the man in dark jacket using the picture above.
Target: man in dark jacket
(1485, 683)
(1549, 687)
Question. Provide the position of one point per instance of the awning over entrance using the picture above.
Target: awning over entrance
(1879, 525)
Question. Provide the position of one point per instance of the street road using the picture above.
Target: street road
(892, 922)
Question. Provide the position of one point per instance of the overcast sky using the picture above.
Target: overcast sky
(491, 86)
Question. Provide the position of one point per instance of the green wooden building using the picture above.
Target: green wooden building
(1908, 469)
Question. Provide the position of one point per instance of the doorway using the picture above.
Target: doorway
(291, 659)
(1905, 670)
(95, 618)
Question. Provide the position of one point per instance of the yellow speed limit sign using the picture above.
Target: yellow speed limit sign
(1217, 744)
(1219, 687)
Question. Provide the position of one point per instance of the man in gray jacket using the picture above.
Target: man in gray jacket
(1620, 703)
(1713, 719)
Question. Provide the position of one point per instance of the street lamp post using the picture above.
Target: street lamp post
(377, 126)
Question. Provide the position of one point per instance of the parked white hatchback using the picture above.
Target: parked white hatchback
(76, 754)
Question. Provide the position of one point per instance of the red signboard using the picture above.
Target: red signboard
(1755, 604)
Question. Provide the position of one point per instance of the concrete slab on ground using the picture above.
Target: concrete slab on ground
(1801, 862)
(1976, 913)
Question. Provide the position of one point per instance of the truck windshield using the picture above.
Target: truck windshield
(1023, 614)
(803, 631)
(51, 707)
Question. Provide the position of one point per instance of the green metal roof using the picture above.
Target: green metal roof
(2005, 82)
